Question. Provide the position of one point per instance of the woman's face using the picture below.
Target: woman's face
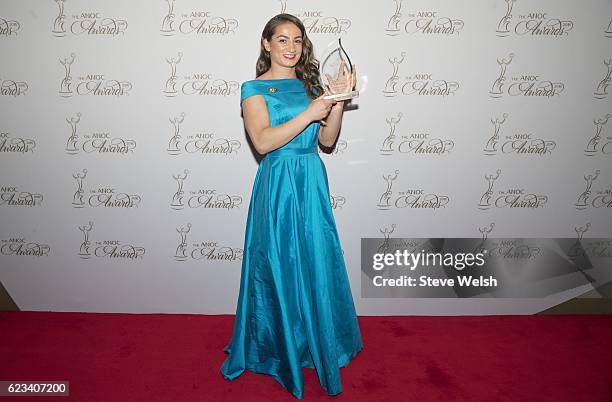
(285, 46)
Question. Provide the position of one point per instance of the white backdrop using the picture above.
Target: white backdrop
(126, 172)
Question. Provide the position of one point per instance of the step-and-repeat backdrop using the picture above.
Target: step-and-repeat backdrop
(126, 171)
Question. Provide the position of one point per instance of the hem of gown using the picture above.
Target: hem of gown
(270, 369)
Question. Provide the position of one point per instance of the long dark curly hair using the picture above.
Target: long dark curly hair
(307, 68)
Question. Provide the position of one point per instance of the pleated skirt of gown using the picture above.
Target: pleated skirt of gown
(295, 309)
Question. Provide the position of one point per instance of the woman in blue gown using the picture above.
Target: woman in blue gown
(295, 307)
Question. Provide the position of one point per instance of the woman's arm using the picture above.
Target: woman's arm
(266, 138)
(329, 132)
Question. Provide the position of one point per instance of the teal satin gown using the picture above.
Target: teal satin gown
(295, 307)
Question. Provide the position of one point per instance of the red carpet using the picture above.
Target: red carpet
(162, 357)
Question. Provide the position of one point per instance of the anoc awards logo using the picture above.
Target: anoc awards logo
(22, 247)
(101, 142)
(589, 198)
(416, 198)
(516, 197)
(9, 27)
(208, 250)
(95, 84)
(521, 143)
(101, 196)
(421, 143)
(202, 142)
(531, 85)
(422, 22)
(337, 201)
(513, 249)
(601, 92)
(202, 84)
(589, 247)
(196, 22)
(577, 249)
(421, 83)
(596, 143)
(16, 145)
(536, 23)
(108, 248)
(202, 197)
(318, 21)
(484, 235)
(86, 22)
(13, 196)
(11, 87)
(385, 246)
(608, 29)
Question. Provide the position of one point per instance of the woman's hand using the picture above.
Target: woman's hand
(343, 82)
(319, 108)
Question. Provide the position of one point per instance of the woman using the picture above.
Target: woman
(295, 307)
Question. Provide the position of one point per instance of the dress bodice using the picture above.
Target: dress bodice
(285, 99)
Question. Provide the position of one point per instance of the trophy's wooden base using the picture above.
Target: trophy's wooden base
(343, 96)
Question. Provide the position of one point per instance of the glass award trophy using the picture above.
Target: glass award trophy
(331, 63)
